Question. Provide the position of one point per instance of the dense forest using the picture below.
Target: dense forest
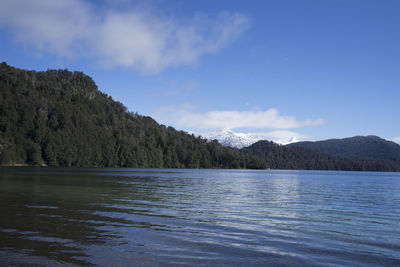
(297, 157)
(60, 118)
(357, 147)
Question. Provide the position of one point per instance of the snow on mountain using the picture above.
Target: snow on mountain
(239, 140)
(232, 139)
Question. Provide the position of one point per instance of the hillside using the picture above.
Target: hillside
(296, 157)
(60, 118)
(358, 147)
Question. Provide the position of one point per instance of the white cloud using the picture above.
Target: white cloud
(395, 139)
(131, 38)
(181, 116)
(59, 27)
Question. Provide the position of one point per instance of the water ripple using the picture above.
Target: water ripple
(156, 217)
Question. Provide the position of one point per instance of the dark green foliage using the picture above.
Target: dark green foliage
(295, 157)
(59, 118)
(359, 147)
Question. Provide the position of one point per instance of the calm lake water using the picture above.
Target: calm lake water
(170, 217)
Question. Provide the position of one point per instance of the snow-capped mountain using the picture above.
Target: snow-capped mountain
(239, 140)
(232, 139)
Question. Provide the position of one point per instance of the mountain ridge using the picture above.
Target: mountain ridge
(297, 157)
(359, 147)
(233, 139)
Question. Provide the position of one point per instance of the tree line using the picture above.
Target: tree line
(300, 158)
(60, 118)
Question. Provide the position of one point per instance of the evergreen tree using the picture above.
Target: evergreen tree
(60, 118)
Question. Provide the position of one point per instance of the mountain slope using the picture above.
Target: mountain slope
(296, 157)
(358, 147)
(59, 118)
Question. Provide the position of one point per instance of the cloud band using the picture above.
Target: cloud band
(229, 119)
(132, 38)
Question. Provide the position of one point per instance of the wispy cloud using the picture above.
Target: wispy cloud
(133, 38)
(59, 27)
(181, 116)
(174, 87)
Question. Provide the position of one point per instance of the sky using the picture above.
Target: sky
(312, 69)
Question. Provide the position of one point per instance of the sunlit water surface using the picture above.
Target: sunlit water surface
(164, 217)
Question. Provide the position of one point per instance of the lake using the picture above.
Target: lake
(176, 217)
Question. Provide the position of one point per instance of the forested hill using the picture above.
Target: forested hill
(296, 157)
(358, 147)
(60, 118)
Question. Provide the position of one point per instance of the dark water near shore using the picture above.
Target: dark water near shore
(158, 217)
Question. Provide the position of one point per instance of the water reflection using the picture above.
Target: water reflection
(196, 217)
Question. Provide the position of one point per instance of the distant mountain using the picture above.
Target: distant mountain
(241, 140)
(232, 139)
(358, 147)
(297, 157)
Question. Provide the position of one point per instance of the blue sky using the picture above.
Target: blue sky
(306, 69)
